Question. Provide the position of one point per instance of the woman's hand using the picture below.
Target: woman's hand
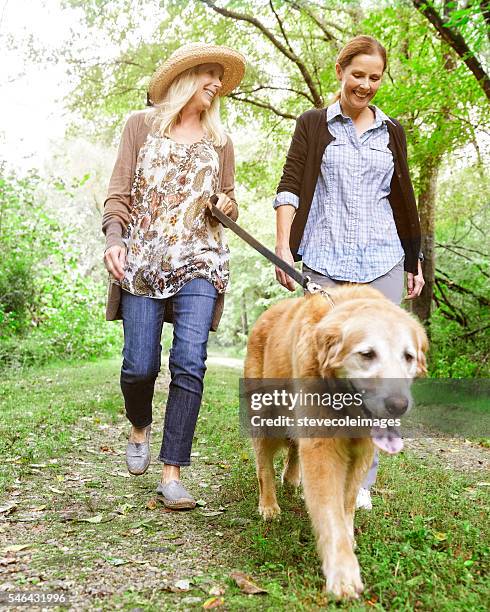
(415, 283)
(114, 260)
(224, 204)
(285, 280)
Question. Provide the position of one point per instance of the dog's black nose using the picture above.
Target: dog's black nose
(396, 404)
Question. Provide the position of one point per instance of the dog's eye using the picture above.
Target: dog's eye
(408, 357)
(368, 355)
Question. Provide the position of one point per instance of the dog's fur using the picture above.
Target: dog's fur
(362, 336)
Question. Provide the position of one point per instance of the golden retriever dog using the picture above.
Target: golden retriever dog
(361, 336)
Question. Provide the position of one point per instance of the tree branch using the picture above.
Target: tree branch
(262, 104)
(280, 26)
(457, 42)
(454, 313)
(452, 249)
(277, 43)
(261, 87)
(475, 331)
(443, 278)
(301, 7)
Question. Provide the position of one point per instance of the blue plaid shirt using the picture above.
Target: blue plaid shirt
(350, 233)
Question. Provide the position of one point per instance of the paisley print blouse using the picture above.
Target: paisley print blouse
(169, 238)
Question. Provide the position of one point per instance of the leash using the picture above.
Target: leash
(305, 281)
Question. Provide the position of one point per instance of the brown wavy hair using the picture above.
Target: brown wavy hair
(359, 45)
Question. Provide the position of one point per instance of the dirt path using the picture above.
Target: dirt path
(93, 530)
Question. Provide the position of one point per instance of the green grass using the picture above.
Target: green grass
(424, 546)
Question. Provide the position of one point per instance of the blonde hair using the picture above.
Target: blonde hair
(166, 114)
(356, 46)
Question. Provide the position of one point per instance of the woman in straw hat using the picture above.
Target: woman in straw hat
(166, 254)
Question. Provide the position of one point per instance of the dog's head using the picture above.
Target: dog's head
(376, 344)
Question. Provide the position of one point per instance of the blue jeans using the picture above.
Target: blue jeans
(193, 308)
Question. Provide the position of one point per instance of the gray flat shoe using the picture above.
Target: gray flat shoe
(138, 455)
(174, 495)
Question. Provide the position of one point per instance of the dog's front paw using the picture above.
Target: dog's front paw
(269, 512)
(343, 578)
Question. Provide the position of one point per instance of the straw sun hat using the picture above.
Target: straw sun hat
(194, 54)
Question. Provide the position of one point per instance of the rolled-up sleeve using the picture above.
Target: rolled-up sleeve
(286, 197)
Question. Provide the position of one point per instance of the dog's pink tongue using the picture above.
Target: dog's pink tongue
(387, 440)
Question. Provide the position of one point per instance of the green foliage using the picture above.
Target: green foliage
(426, 86)
(48, 309)
(460, 323)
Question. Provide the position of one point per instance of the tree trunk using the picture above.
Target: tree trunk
(421, 306)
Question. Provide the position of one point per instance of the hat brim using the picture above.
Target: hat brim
(233, 69)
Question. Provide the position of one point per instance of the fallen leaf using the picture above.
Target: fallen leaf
(213, 602)
(201, 502)
(211, 513)
(182, 585)
(152, 504)
(15, 547)
(179, 542)
(8, 560)
(245, 584)
(8, 508)
(93, 519)
(440, 536)
(122, 474)
(116, 561)
(54, 490)
(38, 465)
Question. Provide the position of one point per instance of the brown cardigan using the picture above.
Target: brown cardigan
(117, 205)
(302, 167)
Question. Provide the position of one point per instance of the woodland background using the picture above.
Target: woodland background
(52, 280)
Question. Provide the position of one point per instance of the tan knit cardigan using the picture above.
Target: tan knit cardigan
(117, 205)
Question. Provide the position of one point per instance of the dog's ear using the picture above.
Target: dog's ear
(422, 344)
(327, 341)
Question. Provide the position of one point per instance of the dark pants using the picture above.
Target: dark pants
(193, 308)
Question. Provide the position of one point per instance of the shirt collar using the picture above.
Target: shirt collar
(334, 111)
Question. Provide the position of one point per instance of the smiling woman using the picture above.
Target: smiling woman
(345, 203)
(166, 254)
